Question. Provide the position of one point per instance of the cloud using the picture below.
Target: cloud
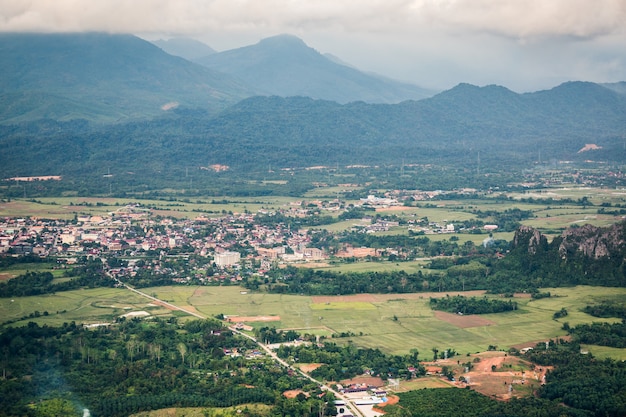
(529, 18)
(512, 18)
(524, 44)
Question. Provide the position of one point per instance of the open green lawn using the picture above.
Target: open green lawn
(82, 306)
(21, 268)
(394, 323)
(364, 266)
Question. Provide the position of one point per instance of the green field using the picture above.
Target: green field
(394, 323)
(67, 207)
(82, 306)
(415, 324)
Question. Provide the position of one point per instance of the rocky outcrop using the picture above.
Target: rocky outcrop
(594, 242)
(530, 238)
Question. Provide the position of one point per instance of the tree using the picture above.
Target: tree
(182, 349)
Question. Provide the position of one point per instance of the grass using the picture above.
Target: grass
(82, 306)
(15, 270)
(67, 207)
(364, 266)
(422, 383)
(394, 323)
(343, 306)
(415, 326)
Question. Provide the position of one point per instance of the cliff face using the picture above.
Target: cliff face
(529, 237)
(593, 242)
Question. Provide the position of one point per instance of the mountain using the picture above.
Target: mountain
(507, 132)
(102, 77)
(187, 48)
(619, 87)
(285, 66)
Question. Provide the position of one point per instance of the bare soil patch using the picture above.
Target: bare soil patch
(369, 380)
(310, 367)
(522, 295)
(463, 322)
(294, 393)
(5, 277)
(241, 319)
(391, 400)
(502, 383)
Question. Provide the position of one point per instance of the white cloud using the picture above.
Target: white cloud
(431, 42)
(514, 18)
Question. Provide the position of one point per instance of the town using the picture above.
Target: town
(223, 246)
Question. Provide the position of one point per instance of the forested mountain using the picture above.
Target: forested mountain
(285, 66)
(459, 127)
(102, 77)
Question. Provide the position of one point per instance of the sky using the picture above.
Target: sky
(524, 45)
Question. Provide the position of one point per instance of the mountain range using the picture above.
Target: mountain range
(155, 113)
(110, 78)
(102, 77)
(285, 66)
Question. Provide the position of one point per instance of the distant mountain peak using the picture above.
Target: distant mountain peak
(286, 66)
(187, 48)
(283, 39)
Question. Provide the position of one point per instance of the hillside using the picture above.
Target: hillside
(102, 77)
(506, 131)
(285, 66)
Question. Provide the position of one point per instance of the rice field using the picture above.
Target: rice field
(394, 323)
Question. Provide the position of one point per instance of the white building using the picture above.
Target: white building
(227, 258)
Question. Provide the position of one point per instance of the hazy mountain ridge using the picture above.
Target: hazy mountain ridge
(284, 65)
(500, 128)
(102, 77)
(458, 127)
(190, 49)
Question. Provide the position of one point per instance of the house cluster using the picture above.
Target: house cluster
(133, 232)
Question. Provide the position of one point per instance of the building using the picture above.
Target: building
(227, 258)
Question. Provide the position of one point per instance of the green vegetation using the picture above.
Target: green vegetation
(452, 402)
(136, 365)
(464, 305)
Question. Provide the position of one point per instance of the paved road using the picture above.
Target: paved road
(352, 408)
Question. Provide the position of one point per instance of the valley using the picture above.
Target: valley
(269, 231)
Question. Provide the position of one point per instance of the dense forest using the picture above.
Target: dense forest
(135, 365)
(345, 362)
(471, 305)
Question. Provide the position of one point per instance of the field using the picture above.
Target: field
(397, 323)
(82, 306)
(67, 207)
(394, 323)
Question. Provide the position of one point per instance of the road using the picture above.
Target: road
(352, 408)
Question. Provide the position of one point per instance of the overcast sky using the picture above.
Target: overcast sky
(525, 45)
